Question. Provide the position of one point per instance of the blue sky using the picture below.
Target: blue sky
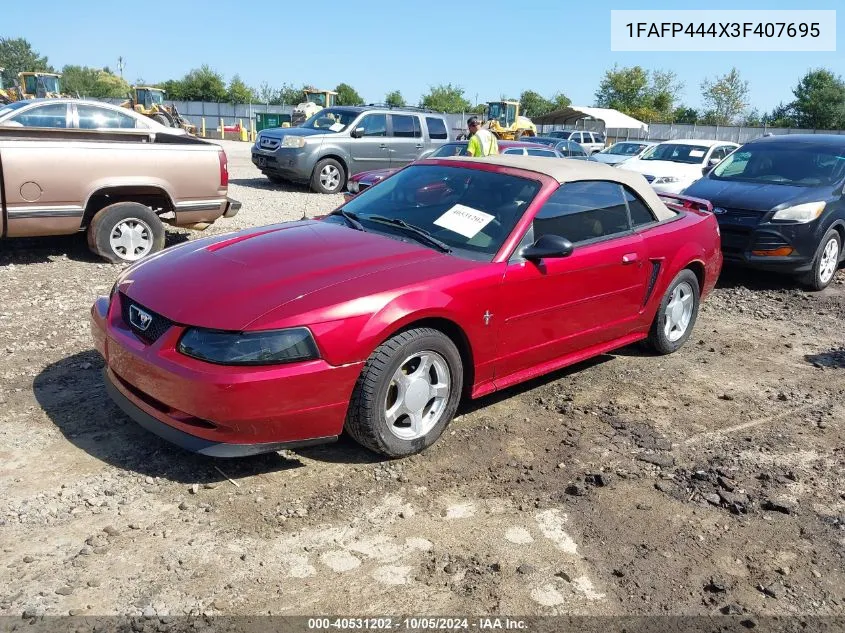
(409, 45)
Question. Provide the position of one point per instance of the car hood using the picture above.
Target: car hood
(609, 159)
(663, 168)
(230, 281)
(373, 175)
(753, 196)
(279, 132)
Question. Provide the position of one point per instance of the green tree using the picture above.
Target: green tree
(682, 114)
(395, 99)
(752, 118)
(93, 82)
(16, 56)
(782, 115)
(560, 101)
(288, 94)
(346, 95)
(446, 98)
(267, 94)
(239, 92)
(725, 98)
(820, 101)
(649, 96)
(201, 84)
(533, 104)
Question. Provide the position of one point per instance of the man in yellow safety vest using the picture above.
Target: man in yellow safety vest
(481, 142)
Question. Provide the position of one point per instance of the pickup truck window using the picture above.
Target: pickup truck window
(52, 115)
(93, 118)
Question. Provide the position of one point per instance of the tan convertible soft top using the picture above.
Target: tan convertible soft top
(569, 170)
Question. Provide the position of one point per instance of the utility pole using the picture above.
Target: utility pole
(120, 66)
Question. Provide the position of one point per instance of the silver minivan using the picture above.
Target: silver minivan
(340, 141)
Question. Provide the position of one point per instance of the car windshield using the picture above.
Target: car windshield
(624, 149)
(804, 165)
(677, 153)
(335, 120)
(470, 210)
(450, 149)
(14, 106)
(545, 141)
(561, 133)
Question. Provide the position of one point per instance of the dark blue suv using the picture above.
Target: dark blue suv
(780, 206)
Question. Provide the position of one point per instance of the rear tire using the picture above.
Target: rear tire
(161, 118)
(125, 232)
(407, 393)
(825, 263)
(328, 176)
(676, 315)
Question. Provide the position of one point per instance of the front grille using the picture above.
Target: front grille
(268, 143)
(745, 216)
(734, 240)
(154, 329)
(768, 242)
(362, 186)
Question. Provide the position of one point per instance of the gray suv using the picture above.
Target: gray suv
(340, 141)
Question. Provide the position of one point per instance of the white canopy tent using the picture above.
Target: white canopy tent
(607, 120)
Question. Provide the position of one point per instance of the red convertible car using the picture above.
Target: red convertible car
(455, 277)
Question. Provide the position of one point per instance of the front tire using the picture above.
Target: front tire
(125, 232)
(676, 315)
(328, 176)
(826, 262)
(161, 118)
(407, 393)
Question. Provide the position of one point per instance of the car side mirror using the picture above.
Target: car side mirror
(358, 132)
(548, 246)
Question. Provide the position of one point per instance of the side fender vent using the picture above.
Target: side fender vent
(652, 280)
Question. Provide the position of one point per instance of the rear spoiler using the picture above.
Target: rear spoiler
(685, 203)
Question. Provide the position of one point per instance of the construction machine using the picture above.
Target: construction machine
(315, 100)
(32, 85)
(149, 101)
(502, 118)
(7, 95)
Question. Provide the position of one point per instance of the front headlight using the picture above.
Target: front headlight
(293, 141)
(268, 347)
(802, 213)
(352, 186)
(662, 180)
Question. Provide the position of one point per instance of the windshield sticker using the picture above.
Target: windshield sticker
(463, 220)
(696, 153)
(336, 127)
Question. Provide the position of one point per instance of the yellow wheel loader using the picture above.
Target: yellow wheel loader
(149, 101)
(33, 85)
(315, 100)
(502, 118)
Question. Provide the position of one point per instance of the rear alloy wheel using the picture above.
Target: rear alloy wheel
(407, 393)
(328, 176)
(125, 232)
(676, 315)
(826, 263)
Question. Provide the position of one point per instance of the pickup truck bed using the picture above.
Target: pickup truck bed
(118, 186)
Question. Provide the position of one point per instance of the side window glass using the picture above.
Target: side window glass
(93, 118)
(403, 126)
(640, 213)
(583, 211)
(374, 125)
(53, 115)
(436, 128)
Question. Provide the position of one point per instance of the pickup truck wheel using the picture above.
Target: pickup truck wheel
(826, 262)
(676, 315)
(328, 176)
(407, 393)
(125, 232)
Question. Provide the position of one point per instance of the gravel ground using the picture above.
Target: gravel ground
(709, 481)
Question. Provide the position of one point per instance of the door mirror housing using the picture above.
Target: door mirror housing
(548, 247)
(358, 132)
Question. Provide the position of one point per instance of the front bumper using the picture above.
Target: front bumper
(214, 409)
(287, 162)
(764, 246)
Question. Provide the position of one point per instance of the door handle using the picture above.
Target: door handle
(419, 146)
(630, 258)
(382, 146)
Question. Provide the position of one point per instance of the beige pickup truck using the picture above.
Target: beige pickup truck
(118, 186)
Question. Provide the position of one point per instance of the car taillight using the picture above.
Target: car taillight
(224, 169)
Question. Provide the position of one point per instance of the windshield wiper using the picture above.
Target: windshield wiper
(351, 219)
(410, 229)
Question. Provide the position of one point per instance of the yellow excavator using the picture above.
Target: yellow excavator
(149, 101)
(502, 118)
